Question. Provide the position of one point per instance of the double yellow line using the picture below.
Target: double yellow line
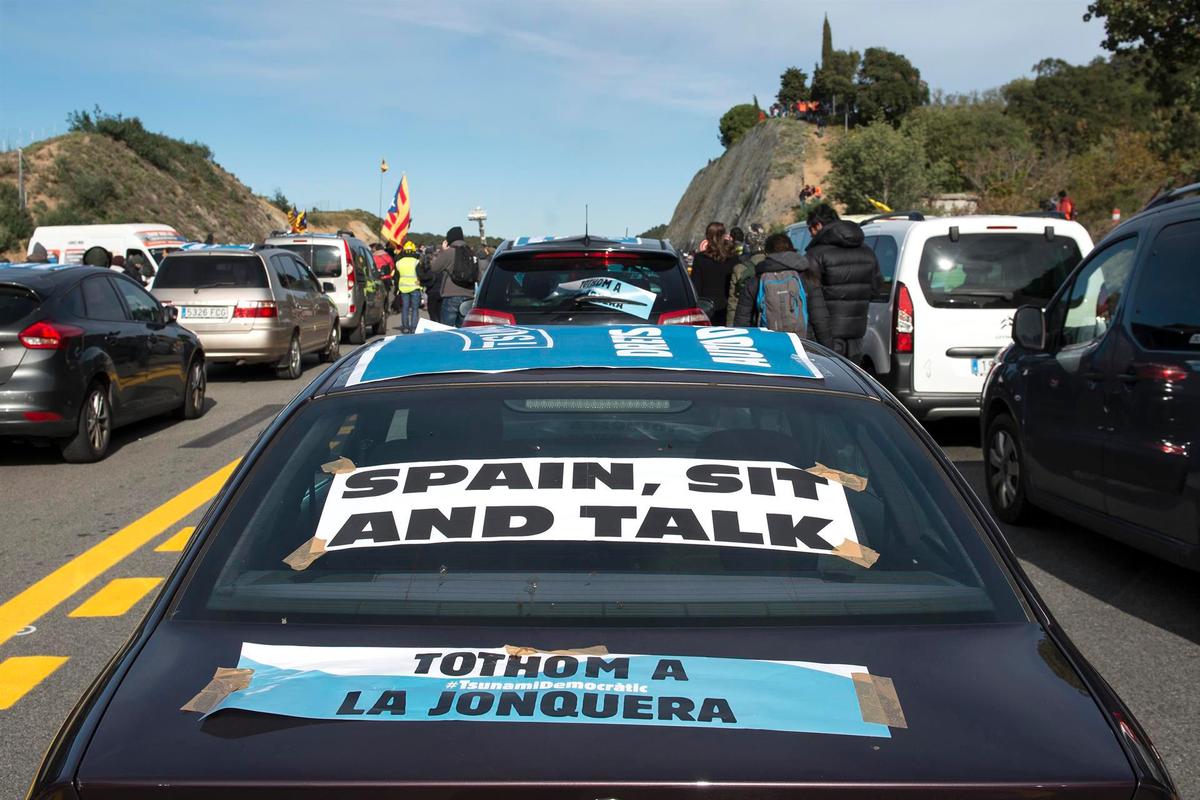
(44, 596)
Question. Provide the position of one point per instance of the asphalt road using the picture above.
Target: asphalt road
(1137, 619)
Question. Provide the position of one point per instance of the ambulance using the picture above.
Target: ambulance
(66, 244)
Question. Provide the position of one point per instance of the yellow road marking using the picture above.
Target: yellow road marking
(118, 596)
(45, 595)
(177, 542)
(19, 674)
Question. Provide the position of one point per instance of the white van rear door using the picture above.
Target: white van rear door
(969, 282)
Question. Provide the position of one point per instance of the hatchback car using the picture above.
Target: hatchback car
(84, 350)
(1094, 411)
(586, 280)
(630, 561)
(251, 306)
(949, 289)
(345, 262)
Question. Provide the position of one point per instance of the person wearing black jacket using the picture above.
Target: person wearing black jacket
(781, 257)
(849, 276)
(712, 269)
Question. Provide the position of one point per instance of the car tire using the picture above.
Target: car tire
(333, 347)
(289, 366)
(94, 433)
(381, 326)
(1004, 470)
(359, 334)
(193, 391)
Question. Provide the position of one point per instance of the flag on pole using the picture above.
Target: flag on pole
(297, 221)
(383, 167)
(398, 219)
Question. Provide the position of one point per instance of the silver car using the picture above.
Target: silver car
(251, 306)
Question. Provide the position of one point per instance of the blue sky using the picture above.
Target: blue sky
(530, 109)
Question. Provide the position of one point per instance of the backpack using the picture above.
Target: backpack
(782, 303)
(464, 269)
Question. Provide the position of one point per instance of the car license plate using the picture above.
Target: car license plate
(982, 366)
(204, 312)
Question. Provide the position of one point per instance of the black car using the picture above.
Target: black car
(1093, 412)
(598, 561)
(586, 280)
(84, 350)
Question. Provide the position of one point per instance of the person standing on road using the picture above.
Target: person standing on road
(849, 276)
(408, 288)
(784, 294)
(455, 271)
(712, 269)
(748, 258)
(387, 268)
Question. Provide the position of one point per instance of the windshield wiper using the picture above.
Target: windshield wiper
(217, 285)
(606, 298)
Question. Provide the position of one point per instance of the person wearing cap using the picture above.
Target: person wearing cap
(454, 295)
(408, 288)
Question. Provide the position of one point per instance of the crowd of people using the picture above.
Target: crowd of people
(822, 294)
(441, 280)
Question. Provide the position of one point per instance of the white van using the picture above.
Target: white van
(67, 243)
(950, 287)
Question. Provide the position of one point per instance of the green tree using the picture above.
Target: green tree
(736, 121)
(889, 86)
(657, 232)
(880, 162)
(280, 201)
(15, 222)
(793, 86)
(826, 42)
(833, 82)
(1121, 170)
(955, 135)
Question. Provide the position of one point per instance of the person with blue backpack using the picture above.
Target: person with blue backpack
(785, 294)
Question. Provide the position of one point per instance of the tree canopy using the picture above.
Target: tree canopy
(889, 86)
(880, 162)
(736, 121)
(793, 86)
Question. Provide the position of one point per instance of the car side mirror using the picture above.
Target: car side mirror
(328, 288)
(170, 314)
(708, 306)
(1029, 328)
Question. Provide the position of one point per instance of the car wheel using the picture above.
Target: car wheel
(193, 392)
(359, 334)
(333, 348)
(289, 367)
(381, 326)
(94, 434)
(1004, 470)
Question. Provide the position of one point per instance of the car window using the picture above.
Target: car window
(995, 270)
(668, 494)
(141, 306)
(16, 302)
(296, 276)
(361, 259)
(324, 259)
(185, 271)
(279, 265)
(307, 281)
(886, 253)
(1166, 305)
(101, 301)
(636, 284)
(1095, 293)
(72, 303)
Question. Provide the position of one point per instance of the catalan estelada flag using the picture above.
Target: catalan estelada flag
(398, 219)
(297, 221)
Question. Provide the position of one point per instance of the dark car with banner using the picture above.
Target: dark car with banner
(632, 561)
(586, 280)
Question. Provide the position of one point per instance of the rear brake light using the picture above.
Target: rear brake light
(1161, 372)
(485, 316)
(687, 316)
(349, 266)
(1001, 227)
(604, 255)
(260, 309)
(48, 335)
(904, 321)
(353, 308)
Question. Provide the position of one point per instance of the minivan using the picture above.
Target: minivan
(345, 262)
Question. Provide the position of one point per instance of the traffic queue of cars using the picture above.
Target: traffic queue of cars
(629, 560)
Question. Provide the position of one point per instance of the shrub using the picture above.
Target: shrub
(160, 150)
(736, 121)
(15, 222)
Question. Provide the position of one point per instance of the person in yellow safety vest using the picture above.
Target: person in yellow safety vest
(408, 288)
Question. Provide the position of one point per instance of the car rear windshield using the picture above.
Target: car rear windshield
(211, 272)
(995, 270)
(325, 260)
(16, 303)
(636, 285)
(650, 503)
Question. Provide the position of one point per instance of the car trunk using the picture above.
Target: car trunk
(991, 711)
(18, 309)
(216, 293)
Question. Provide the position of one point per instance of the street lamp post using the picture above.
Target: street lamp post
(477, 214)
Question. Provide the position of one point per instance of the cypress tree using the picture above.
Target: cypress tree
(826, 42)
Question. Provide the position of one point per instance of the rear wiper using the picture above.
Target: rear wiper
(606, 298)
(213, 285)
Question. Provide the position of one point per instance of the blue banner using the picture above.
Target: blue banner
(521, 685)
(507, 348)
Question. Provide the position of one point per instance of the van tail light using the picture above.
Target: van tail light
(687, 316)
(904, 321)
(349, 266)
(485, 316)
(261, 309)
(1169, 373)
(48, 335)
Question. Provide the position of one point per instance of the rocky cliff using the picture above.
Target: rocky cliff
(756, 180)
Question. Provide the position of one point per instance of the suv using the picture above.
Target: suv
(358, 290)
(949, 289)
(1093, 411)
(586, 280)
(251, 306)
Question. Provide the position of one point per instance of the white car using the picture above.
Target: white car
(950, 287)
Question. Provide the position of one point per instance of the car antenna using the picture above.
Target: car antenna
(587, 239)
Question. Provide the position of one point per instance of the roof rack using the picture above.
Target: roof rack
(345, 232)
(1162, 198)
(915, 216)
